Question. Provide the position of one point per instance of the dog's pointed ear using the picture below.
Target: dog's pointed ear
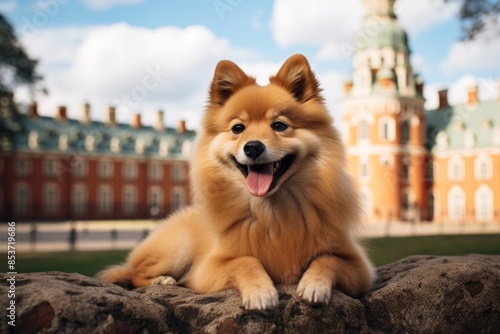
(297, 77)
(228, 78)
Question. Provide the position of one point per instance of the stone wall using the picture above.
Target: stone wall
(421, 294)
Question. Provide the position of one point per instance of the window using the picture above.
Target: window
(105, 199)
(80, 168)
(115, 144)
(456, 204)
(456, 169)
(178, 198)
(50, 167)
(483, 203)
(155, 171)
(90, 143)
(79, 199)
(186, 148)
(63, 142)
(405, 170)
(22, 199)
(129, 199)
(364, 131)
(33, 140)
(367, 201)
(430, 205)
(139, 146)
(22, 166)
(105, 169)
(178, 174)
(405, 132)
(130, 171)
(442, 140)
(51, 199)
(163, 148)
(364, 169)
(155, 200)
(470, 139)
(483, 167)
(386, 128)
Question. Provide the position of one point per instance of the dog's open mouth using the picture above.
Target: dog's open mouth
(262, 178)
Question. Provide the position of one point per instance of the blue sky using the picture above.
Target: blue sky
(144, 55)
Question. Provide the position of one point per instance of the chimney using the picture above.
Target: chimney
(181, 127)
(443, 99)
(111, 121)
(136, 121)
(33, 109)
(158, 124)
(61, 114)
(473, 95)
(86, 114)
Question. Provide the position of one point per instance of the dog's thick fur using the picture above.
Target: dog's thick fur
(247, 234)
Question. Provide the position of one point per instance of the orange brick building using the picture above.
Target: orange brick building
(55, 168)
(414, 164)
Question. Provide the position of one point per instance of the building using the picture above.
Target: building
(464, 141)
(56, 168)
(414, 164)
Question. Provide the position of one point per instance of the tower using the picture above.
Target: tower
(383, 119)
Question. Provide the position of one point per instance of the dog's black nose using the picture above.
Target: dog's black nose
(254, 149)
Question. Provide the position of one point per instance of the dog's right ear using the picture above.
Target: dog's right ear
(228, 78)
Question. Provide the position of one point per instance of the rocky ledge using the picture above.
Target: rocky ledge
(421, 294)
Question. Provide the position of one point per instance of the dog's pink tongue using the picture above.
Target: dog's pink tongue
(259, 179)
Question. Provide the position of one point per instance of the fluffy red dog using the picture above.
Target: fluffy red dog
(272, 204)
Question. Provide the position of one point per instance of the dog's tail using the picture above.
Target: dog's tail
(119, 274)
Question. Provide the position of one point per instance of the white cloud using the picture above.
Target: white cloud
(331, 25)
(469, 56)
(322, 23)
(105, 4)
(8, 6)
(418, 16)
(137, 69)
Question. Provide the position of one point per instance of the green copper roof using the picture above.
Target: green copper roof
(382, 33)
(48, 132)
(481, 122)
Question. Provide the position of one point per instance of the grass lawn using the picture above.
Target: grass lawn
(382, 251)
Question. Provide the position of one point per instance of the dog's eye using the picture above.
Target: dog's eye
(279, 126)
(238, 128)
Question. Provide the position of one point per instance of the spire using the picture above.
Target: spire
(379, 9)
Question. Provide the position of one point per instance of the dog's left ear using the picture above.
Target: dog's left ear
(228, 78)
(297, 77)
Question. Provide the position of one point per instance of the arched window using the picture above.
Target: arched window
(22, 198)
(129, 199)
(405, 132)
(483, 167)
(386, 128)
(178, 198)
(367, 200)
(364, 130)
(483, 203)
(79, 199)
(456, 169)
(51, 199)
(105, 199)
(456, 203)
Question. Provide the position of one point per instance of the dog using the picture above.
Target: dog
(272, 201)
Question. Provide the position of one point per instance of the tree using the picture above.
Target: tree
(477, 17)
(16, 67)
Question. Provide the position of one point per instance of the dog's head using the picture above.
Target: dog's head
(263, 136)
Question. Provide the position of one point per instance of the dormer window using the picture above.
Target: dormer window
(442, 140)
(186, 148)
(163, 149)
(115, 144)
(33, 140)
(470, 139)
(90, 143)
(63, 143)
(139, 146)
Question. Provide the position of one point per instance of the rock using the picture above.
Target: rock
(421, 294)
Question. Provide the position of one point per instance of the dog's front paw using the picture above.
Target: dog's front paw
(314, 291)
(164, 280)
(260, 298)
